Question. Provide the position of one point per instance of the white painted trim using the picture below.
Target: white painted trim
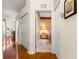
(21, 13)
(53, 52)
(31, 52)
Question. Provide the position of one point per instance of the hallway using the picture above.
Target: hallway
(40, 29)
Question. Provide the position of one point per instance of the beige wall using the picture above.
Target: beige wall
(47, 24)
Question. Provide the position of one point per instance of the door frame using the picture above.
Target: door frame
(36, 12)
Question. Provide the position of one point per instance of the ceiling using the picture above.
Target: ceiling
(15, 5)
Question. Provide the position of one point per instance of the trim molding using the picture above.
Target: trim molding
(57, 4)
(31, 52)
(23, 15)
(23, 47)
(53, 52)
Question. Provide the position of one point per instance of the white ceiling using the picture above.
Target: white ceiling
(15, 5)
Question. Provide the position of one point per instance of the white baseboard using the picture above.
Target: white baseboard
(53, 52)
(31, 52)
(43, 51)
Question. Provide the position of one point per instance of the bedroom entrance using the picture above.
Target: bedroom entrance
(43, 31)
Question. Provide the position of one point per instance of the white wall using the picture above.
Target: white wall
(22, 27)
(23, 31)
(67, 33)
(36, 6)
(56, 33)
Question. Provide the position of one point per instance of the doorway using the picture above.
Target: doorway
(43, 31)
(8, 40)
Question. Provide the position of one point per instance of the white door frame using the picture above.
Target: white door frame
(35, 29)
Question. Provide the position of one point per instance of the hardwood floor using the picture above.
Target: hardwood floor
(39, 55)
(10, 53)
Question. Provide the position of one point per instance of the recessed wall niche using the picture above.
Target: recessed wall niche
(45, 28)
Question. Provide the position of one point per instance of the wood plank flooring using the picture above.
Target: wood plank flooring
(39, 55)
(10, 53)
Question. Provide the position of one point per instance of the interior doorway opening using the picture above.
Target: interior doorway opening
(43, 31)
(8, 40)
